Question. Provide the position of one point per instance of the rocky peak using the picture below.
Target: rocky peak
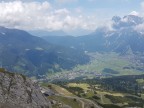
(18, 91)
(116, 18)
(127, 21)
(133, 18)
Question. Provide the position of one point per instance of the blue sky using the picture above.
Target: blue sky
(110, 7)
(67, 15)
(122, 6)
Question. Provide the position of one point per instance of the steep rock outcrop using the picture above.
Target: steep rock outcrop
(18, 91)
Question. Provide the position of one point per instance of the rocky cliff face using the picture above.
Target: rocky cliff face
(18, 91)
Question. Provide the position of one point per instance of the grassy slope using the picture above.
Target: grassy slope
(90, 93)
(67, 98)
(66, 101)
(61, 90)
(84, 86)
(58, 89)
(101, 94)
(61, 98)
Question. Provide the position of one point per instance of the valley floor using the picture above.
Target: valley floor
(103, 65)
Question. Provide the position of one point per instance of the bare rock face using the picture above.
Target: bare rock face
(18, 91)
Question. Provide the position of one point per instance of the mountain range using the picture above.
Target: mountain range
(33, 56)
(41, 33)
(122, 37)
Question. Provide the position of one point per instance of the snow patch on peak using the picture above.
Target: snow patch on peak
(134, 13)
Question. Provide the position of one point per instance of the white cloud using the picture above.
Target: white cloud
(142, 5)
(41, 15)
(62, 11)
(139, 28)
(22, 14)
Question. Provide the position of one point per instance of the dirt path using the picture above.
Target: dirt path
(101, 98)
(92, 102)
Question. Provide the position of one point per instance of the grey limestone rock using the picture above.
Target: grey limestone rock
(18, 91)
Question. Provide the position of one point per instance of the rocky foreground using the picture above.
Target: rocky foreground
(18, 91)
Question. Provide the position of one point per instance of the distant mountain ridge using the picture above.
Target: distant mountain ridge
(123, 37)
(126, 21)
(42, 33)
(31, 55)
